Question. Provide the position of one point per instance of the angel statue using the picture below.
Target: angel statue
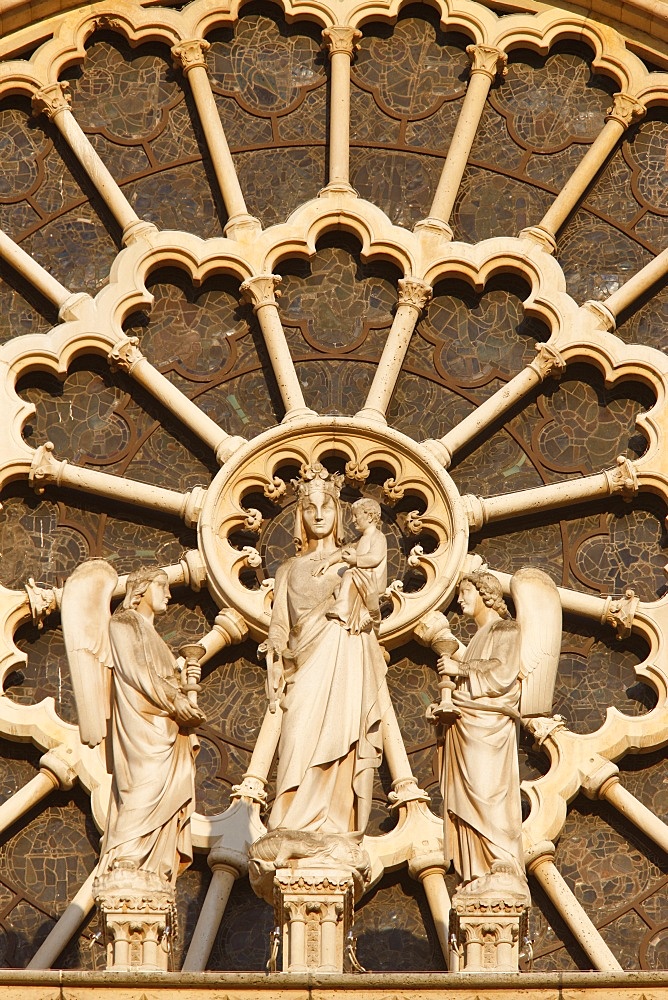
(127, 689)
(507, 671)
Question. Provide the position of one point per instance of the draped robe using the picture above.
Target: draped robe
(152, 762)
(480, 778)
(334, 700)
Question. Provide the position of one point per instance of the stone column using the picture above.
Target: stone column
(413, 297)
(190, 57)
(625, 111)
(54, 101)
(341, 44)
(261, 292)
(486, 62)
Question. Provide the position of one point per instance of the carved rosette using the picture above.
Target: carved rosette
(254, 469)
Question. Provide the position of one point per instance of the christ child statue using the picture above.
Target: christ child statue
(357, 604)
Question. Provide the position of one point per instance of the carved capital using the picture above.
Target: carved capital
(544, 239)
(125, 355)
(474, 510)
(542, 727)
(251, 788)
(620, 613)
(192, 505)
(605, 319)
(45, 468)
(231, 625)
(58, 765)
(626, 109)
(341, 38)
(52, 99)
(43, 601)
(421, 865)
(260, 290)
(406, 790)
(623, 479)
(194, 569)
(189, 54)
(548, 361)
(597, 778)
(414, 293)
(488, 60)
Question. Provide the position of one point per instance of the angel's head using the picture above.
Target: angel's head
(489, 589)
(147, 583)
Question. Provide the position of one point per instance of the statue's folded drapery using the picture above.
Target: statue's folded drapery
(334, 700)
(480, 780)
(153, 789)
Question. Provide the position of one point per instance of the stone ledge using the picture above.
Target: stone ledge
(70, 985)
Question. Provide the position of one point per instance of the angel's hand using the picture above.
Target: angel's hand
(446, 665)
(188, 716)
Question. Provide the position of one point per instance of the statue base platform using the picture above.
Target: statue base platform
(313, 882)
(488, 924)
(138, 912)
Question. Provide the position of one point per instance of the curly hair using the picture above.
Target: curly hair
(138, 583)
(490, 590)
(370, 507)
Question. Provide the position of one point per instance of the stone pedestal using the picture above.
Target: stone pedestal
(487, 928)
(314, 909)
(313, 881)
(138, 912)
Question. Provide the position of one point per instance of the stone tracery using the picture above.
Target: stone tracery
(424, 256)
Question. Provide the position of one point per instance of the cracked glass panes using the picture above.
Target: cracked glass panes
(270, 82)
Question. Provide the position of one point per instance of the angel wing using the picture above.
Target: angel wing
(85, 613)
(538, 609)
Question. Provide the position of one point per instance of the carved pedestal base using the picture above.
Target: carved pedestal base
(313, 881)
(487, 928)
(314, 909)
(139, 918)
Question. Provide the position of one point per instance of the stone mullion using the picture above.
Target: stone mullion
(413, 297)
(625, 111)
(46, 469)
(40, 279)
(260, 291)
(628, 294)
(540, 864)
(341, 43)
(486, 62)
(622, 479)
(53, 101)
(66, 927)
(127, 356)
(190, 57)
(54, 773)
(547, 362)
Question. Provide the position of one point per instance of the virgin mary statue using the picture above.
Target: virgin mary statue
(330, 681)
